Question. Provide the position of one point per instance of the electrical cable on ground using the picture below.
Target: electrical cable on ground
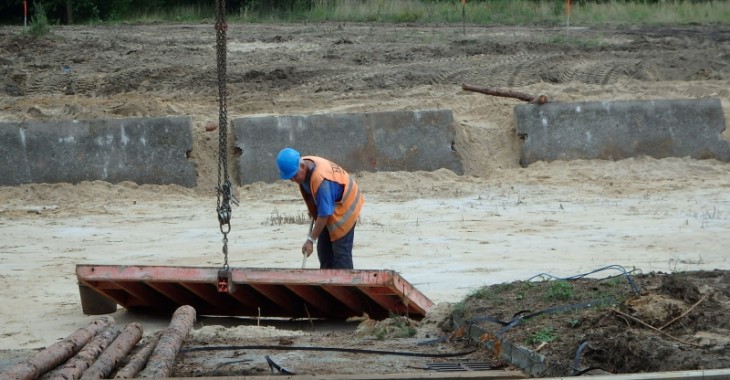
(519, 317)
(575, 371)
(621, 269)
(275, 368)
(316, 348)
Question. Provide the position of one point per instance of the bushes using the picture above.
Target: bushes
(39, 26)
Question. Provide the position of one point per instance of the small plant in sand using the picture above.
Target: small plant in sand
(525, 287)
(277, 219)
(544, 335)
(559, 291)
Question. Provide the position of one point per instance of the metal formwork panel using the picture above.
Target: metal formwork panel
(258, 292)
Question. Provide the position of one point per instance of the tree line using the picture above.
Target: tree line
(84, 11)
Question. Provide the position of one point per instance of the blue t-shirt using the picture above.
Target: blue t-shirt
(329, 192)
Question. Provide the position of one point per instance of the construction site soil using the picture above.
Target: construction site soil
(625, 323)
(620, 324)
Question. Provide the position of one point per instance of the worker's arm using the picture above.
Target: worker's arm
(327, 195)
(319, 225)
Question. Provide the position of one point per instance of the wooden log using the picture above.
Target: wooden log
(162, 360)
(75, 367)
(540, 99)
(139, 360)
(118, 350)
(56, 353)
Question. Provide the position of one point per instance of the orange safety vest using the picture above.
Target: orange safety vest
(347, 210)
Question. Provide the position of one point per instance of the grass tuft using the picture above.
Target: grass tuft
(559, 291)
(544, 335)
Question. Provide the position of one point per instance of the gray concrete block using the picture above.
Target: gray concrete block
(381, 141)
(141, 150)
(528, 361)
(615, 130)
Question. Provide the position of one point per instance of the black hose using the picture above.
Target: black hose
(557, 309)
(576, 361)
(578, 354)
(315, 348)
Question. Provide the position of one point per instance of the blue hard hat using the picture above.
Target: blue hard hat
(288, 163)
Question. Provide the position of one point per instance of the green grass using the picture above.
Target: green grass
(508, 12)
(188, 13)
(559, 291)
(491, 12)
(491, 293)
(546, 335)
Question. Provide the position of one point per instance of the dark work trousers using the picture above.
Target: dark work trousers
(335, 254)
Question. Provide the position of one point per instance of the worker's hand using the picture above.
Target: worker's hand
(307, 248)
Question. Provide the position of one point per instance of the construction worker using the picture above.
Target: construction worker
(333, 200)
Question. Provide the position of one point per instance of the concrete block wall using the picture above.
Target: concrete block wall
(615, 130)
(156, 150)
(378, 141)
(141, 150)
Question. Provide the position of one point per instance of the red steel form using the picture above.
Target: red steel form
(258, 292)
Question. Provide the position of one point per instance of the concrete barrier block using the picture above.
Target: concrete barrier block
(615, 130)
(141, 150)
(528, 361)
(380, 141)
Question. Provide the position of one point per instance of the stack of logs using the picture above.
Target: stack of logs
(95, 352)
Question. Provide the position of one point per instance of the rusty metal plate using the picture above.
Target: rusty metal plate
(258, 292)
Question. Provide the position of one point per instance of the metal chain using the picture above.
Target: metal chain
(225, 193)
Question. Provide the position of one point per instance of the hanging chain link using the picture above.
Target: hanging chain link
(225, 189)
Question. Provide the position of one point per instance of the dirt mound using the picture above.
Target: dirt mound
(628, 323)
(623, 324)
